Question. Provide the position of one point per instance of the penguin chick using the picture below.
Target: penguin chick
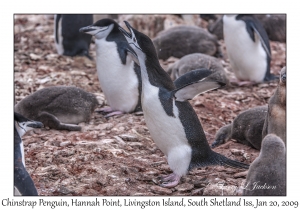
(118, 74)
(59, 107)
(275, 121)
(196, 61)
(173, 124)
(246, 128)
(23, 183)
(179, 41)
(248, 48)
(267, 173)
(68, 40)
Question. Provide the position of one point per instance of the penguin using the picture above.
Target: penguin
(196, 61)
(68, 40)
(59, 107)
(246, 128)
(118, 74)
(267, 173)
(182, 40)
(173, 124)
(23, 183)
(275, 121)
(248, 48)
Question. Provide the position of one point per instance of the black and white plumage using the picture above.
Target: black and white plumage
(22, 181)
(173, 124)
(248, 48)
(118, 74)
(68, 40)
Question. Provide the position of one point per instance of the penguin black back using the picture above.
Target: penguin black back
(73, 42)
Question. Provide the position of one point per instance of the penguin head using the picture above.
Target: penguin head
(100, 29)
(23, 124)
(140, 43)
(283, 75)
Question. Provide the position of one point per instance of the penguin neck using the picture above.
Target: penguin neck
(152, 71)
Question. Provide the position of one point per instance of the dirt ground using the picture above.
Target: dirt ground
(117, 156)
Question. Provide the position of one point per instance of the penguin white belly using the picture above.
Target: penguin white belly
(59, 45)
(166, 131)
(247, 58)
(118, 82)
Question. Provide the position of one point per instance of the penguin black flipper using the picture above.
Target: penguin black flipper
(193, 83)
(256, 31)
(22, 180)
(254, 27)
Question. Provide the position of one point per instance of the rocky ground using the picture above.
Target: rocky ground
(117, 156)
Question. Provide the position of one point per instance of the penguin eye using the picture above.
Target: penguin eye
(134, 39)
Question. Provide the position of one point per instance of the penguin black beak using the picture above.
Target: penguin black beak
(35, 124)
(125, 33)
(86, 29)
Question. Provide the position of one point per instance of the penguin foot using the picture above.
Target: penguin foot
(242, 83)
(170, 180)
(114, 114)
(110, 112)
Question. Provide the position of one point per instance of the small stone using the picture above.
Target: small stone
(64, 143)
(160, 190)
(241, 174)
(184, 187)
(237, 152)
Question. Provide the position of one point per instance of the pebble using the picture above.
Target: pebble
(184, 187)
(160, 190)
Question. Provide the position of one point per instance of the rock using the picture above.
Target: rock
(237, 152)
(184, 187)
(160, 190)
(241, 174)
(219, 189)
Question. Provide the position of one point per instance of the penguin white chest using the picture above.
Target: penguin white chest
(247, 58)
(166, 131)
(118, 81)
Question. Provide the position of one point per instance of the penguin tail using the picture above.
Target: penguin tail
(224, 161)
(270, 77)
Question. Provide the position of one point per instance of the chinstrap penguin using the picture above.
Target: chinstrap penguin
(267, 173)
(275, 121)
(248, 48)
(68, 40)
(59, 107)
(23, 183)
(246, 128)
(173, 124)
(118, 74)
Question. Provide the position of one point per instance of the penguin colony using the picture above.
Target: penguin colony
(132, 80)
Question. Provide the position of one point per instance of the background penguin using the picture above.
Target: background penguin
(68, 40)
(268, 169)
(59, 107)
(246, 128)
(196, 61)
(118, 74)
(248, 48)
(275, 121)
(179, 41)
(22, 181)
(171, 120)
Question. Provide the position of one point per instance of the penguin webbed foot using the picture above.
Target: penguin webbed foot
(170, 180)
(109, 112)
